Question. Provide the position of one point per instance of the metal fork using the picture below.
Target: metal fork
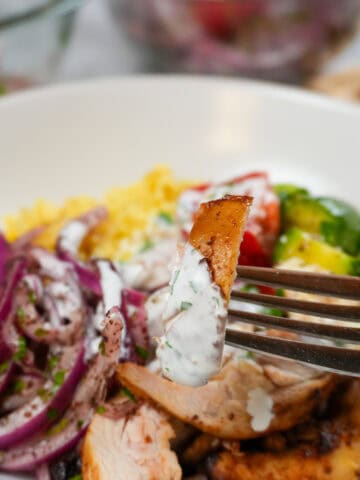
(339, 353)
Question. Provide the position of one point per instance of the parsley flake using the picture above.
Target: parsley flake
(167, 343)
(52, 413)
(59, 377)
(146, 246)
(21, 351)
(76, 477)
(193, 287)
(53, 361)
(102, 347)
(20, 314)
(166, 218)
(58, 427)
(125, 391)
(142, 352)
(40, 332)
(18, 386)
(32, 296)
(176, 275)
(4, 367)
(100, 409)
(185, 306)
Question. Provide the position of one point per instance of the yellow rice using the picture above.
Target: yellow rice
(132, 210)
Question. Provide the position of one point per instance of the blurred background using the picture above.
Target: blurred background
(315, 43)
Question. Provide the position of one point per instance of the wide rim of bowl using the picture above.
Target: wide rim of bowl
(292, 94)
(51, 7)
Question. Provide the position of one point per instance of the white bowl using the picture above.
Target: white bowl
(83, 138)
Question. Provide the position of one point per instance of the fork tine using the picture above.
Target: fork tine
(335, 359)
(337, 312)
(333, 285)
(331, 332)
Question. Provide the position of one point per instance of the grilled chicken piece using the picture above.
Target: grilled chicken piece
(231, 406)
(217, 234)
(195, 315)
(325, 450)
(136, 447)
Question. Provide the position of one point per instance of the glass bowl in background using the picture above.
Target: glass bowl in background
(33, 36)
(285, 40)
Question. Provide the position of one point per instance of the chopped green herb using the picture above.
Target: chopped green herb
(52, 413)
(40, 332)
(44, 394)
(76, 477)
(339, 343)
(280, 292)
(18, 386)
(100, 409)
(102, 347)
(185, 306)
(176, 275)
(250, 288)
(21, 351)
(274, 312)
(59, 377)
(142, 352)
(166, 217)
(53, 361)
(125, 391)
(146, 246)
(4, 367)
(168, 344)
(20, 314)
(193, 287)
(80, 423)
(216, 300)
(249, 355)
(32, 296)
(58, 427)
(167, 369)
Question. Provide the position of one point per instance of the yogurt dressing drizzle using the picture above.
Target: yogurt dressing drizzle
(190, 351)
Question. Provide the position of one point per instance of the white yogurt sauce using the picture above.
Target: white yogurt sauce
(111, 285)
(150, 269)
(259, 406)
(191, 349)
(155, 306)
(72, 235)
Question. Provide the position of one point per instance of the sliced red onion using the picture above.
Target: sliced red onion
(25, 241)
(42, 472)
(127, 351)
(113, 296)
(31, 384)
(137, 322)
(13, 278)
(135, 297)
(46, 406)
(66, 434)
(6, 376)
(5, 252)
(70, 239)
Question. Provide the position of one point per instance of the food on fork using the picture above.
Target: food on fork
(190, 351)
(86, 294)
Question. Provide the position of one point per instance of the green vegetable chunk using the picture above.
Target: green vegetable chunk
(299, 244)
(336, 222)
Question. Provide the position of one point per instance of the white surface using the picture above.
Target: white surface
(85, 137)
(100, 47)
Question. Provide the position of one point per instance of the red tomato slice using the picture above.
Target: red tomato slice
(221, 18)
(263, 224)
